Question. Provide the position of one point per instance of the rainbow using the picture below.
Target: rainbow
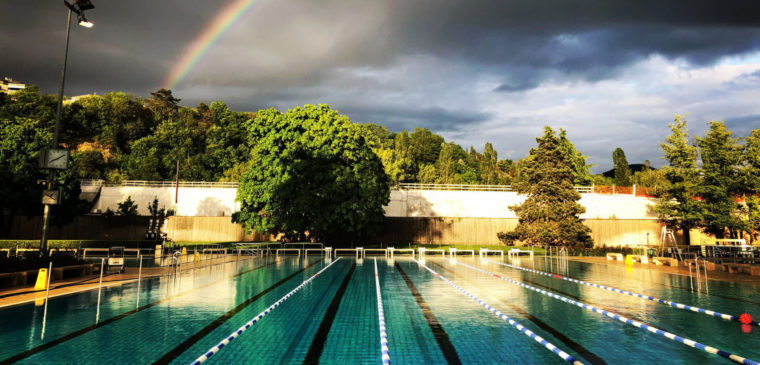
(222, 22)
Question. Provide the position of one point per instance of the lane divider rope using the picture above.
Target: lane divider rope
(386, 354)
(637, 295)
(624, 319)
(564, 355)
(261, 315)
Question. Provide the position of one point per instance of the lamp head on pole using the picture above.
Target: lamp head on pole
(84, 22)
(79, 6)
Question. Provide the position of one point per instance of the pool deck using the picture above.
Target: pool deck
(718, 275)
(26, 294)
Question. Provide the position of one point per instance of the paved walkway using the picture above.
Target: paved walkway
(719, 275)
(21, 295)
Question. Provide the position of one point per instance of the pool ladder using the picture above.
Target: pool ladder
(698, 275)
(558, 253)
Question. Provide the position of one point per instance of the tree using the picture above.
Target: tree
(21, 140)
(489, 168)
(550, 213)
(446, 164)
(677, 205)
(163, 104)
(751, 175)
(721, 181)
(581, 170)
(127, 208)
(622, 170)
(313, 177)
(426, 146)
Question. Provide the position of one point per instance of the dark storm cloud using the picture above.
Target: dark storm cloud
(440, 64)
(436, 119)
(136, 42)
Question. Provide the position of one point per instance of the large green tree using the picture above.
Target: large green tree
(721, 181)
(622, 170)
(678, 206)
(313, 176)
(550, 215)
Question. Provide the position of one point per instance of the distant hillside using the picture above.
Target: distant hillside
(636, 167)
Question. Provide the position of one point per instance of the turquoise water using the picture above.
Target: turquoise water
(334, 320)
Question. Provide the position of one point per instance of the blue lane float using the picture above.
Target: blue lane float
(637, 295)
(385, 352)
(562, 354)
(261, 315)
(624, 319)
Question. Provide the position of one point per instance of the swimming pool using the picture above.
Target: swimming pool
(333, 319)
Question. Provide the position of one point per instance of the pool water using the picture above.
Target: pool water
(334, 318)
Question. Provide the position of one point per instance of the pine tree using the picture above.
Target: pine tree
(677, 205)
(550, 213)
(721, 181)
(622, 170)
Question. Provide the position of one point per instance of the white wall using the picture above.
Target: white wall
(404, 203)
(191, 202)
(495, 204)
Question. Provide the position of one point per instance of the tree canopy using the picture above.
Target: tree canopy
(721, 181)
(677, 206)
(313, 176)
(550, 215)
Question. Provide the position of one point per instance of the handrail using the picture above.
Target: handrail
(474, 187)
(162, 184)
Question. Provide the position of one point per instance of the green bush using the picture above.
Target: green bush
(12, 244)
(32, 261)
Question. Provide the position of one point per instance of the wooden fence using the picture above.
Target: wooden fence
(396, 230)
(210, 229)
(610, 232)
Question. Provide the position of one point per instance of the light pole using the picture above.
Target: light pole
(51, 159)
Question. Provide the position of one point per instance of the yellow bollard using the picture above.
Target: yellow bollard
(197, 257)
(184, 251)
(41, 280)
(628, 260)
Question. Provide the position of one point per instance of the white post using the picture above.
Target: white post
(139, 276)
(47, 294)
(100, 289)
(634, 189)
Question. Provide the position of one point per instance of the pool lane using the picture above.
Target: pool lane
(409, 336)
(148, 334)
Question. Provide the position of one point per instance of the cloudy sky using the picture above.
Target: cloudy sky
(611, 72)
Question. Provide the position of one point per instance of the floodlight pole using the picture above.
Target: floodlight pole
(58, 111)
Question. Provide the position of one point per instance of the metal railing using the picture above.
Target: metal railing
(474, 187)
(163, 184)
